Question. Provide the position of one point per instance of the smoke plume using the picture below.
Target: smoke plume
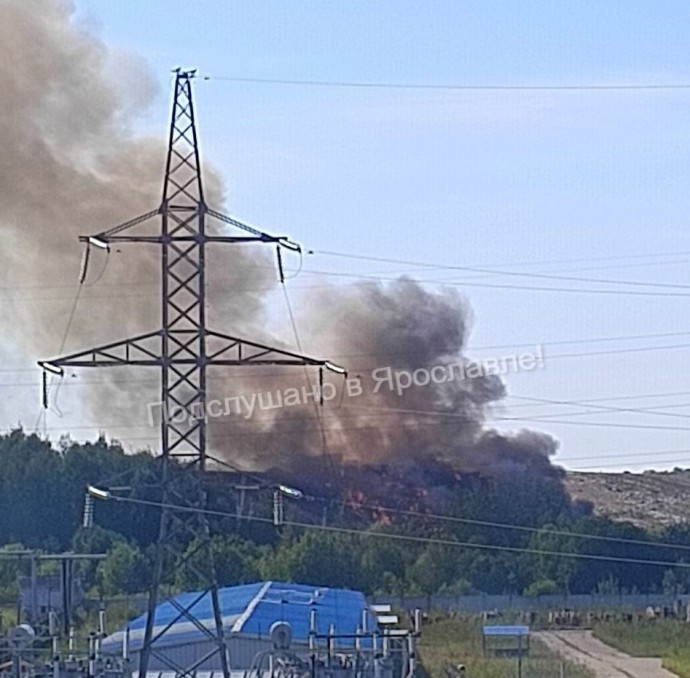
(70, 165)
(378, 330)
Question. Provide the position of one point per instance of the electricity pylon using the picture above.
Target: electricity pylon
(182, 349)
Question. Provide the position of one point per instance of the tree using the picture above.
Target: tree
(542, 587)
(32, 502)
(676, 581)
(235, 560)
(92, 540)
(556, 570)
(316, 558)
(9, 567)
(125, 570)
(42, 489)
(383, 565)
(434, 567)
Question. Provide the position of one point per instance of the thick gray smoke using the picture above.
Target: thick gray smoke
(376, 330)
(70, 166)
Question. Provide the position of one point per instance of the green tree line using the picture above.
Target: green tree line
(42, 490)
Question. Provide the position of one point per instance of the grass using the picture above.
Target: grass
(457, 640)
(8, 617)
(665, 638)
(119, 611)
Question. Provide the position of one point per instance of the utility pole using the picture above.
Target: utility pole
(183, 349)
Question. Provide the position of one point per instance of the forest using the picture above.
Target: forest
(499, 534)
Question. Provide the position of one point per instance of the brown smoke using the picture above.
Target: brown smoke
(371, 329)
(70, 166)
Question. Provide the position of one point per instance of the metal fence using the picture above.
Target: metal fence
(485, 602)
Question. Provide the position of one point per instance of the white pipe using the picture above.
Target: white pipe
(331, 633)
(418, 621)
(411, 655)
(70, 643)
(92, 655)
(312, 629)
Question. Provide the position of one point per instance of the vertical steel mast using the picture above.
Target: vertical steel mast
(183, 273)
(182, 349)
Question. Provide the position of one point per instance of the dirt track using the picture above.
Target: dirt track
(604, 660)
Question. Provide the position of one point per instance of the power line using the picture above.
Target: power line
(381, 413)
(645, 456)
(412, 538)
(430, 281)
(658, 411)
(353, 84)
(625, 455)
(602, 408)
(417, 425)
(371, 413)
(512, 526)
(505, 286)
(634, 464)
(453, 415)
(399, 280)
(497, 271)
(639, 396)
(564, 342)
(317, 412)
(426, 266)
(601, 424)
(582, 354)
(531, 344)
(377, 412)
(630, 468)
(492, 547)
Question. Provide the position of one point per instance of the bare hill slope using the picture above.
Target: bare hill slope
(650, 499)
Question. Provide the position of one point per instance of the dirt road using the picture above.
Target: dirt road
(604, 660)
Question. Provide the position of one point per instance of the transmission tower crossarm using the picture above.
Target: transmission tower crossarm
(185, 238)
(224, 349)
(235, 222)
(132, 351)
(264, 237)
(104, 235)
(112, 235)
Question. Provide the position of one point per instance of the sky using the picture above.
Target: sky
(579, 183)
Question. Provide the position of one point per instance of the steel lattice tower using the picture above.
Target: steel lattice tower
(183, 349)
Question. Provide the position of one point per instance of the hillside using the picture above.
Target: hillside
(651, 499)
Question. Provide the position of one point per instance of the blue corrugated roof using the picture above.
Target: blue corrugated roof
(234, 602)
(250, 610)
(292, 603)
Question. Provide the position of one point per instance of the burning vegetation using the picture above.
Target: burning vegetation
(71, 163)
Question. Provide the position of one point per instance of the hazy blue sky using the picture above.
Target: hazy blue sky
(573, 183)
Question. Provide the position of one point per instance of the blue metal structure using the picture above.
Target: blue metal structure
(248, 611)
